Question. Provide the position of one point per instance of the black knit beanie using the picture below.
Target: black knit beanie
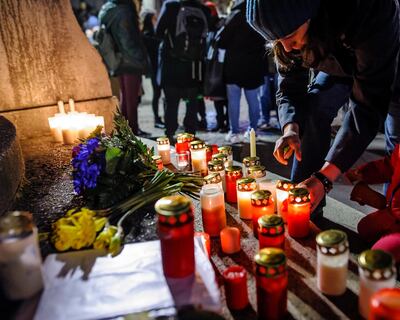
(276, 19)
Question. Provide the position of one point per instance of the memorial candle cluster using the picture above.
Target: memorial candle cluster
(245, 188)
(262, 204)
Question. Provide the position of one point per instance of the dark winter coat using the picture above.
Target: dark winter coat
(121, 17)
(244, 63)
(361, 39)
(174, 71)
(151, 42)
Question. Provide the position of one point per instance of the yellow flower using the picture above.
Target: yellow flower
(103, 240)
(115, 245)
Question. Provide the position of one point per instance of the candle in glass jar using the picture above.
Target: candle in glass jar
(230, 240)
(298, 215)
(385, 305)
(217, 166)
(227, 151)
(262, 204)
(377, 271)
(282, 192)
(271, 232)
(245, 188)
(182, 142)
(214, 178)
(271, 283)
(257, 172)
(182, 160)
(332, 261)
(158, 162)
(235, 283)
(164, 149)
(20, 260)
(222, 157)
(176, 233)
(232, 174)
(212, 204)
(249, 162)
(199, 158)
(270, 185)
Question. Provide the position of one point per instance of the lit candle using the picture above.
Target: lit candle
(232, 174)
(245, 188)
(227, 150)
(205, 241)
(176, 233)
(230, 240)
(71, 103)
(217, 166)
(377, 271)
(252, 143)
(182, 160)
(60, 105)
(385, 305)
(235, 283)
(262, 204)
(298, 215)
(158, 162)
(332, 261)
(270, 185)
(70, 132)
(271, 283)
(164, 150)
(222, 157)
(212, 204)
(257, 172)
(99, 121)
(271, 232)
(182, 142)
(199, 157)
(55, 128)
(214, 178)
(282, 189)
(249, 162)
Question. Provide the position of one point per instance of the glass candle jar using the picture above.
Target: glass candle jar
(377, 271)
(158, 162)
(213, 209)
(20, 260)
(230, 240)
(199, 158)
(271, 283)
(164, 149)
(262, 204)
(182, 142)
(182, 160)
(270, 185)
(271, 232)
(227, 150)
(245, 188)
(249, 162)
(223, 158)
(235, 283)
(332, 261)
(214, 178)
(217, 166)
(232, 174)
(176, 232)
(298, 215)
(257, 172)
(282, 193)
(385, 305)
(209, 152)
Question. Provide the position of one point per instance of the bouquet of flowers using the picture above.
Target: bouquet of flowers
(116, 176)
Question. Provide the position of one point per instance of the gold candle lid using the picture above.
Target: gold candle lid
(251, 161)
(215, 165)
(162, 140)
(233, 171)
(246, 184)
(225, 150)
(184, 137)
(261, 198)
(285, 185)
(15, 225)
(271, 225)
(219, 156)
(197, 145)
(270, 262)
(377, 264)
(213, 178)
(257, 171)
(332, 242)
(299, 196)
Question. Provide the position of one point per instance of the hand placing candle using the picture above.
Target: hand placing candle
(230, 240)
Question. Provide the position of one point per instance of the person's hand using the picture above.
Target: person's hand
(353, 175)
(316, 189)
(287, 144)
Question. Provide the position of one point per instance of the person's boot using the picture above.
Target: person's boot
(158, 123)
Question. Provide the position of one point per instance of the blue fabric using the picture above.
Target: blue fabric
(234, 93)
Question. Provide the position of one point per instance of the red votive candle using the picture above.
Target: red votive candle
(205, 240)
(213, 209)
(232, 174)
(235, 282)
(385, 305)
(182, 142)
(158, 162)
(230, 240)
(176, 233)
(262, 203)
(271, 232)
(271, 282)
(298, 215)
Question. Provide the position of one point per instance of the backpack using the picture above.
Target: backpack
(106, 46)
(190, 36)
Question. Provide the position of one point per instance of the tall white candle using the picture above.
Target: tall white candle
(71, 103)
(252, 143)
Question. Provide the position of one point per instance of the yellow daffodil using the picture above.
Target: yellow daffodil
(103, 240)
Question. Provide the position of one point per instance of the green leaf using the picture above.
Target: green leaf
(113, 154)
